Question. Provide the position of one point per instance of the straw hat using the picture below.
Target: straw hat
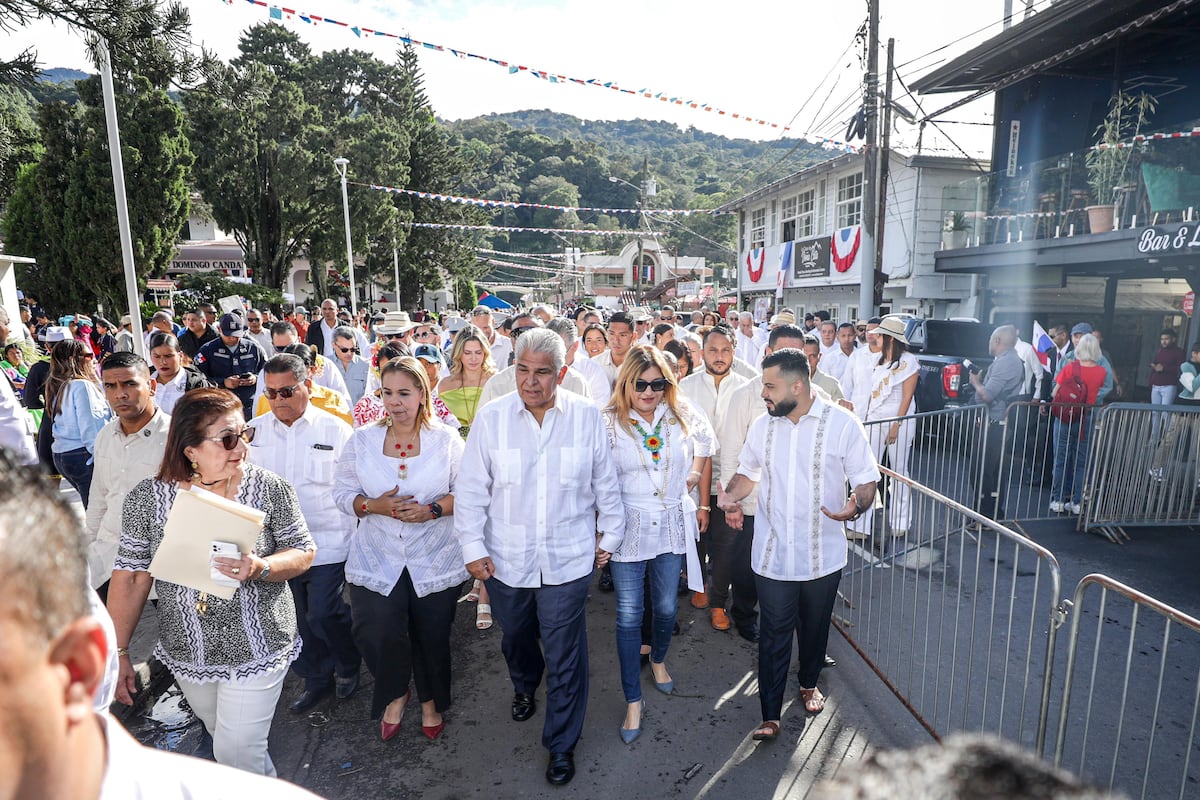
(893, 326)
(784, 317)
(395, 322)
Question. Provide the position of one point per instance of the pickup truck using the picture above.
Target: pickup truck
(942, 346)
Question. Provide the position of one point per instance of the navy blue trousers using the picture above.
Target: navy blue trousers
(323, 619)
(787, 607)
(555, 614)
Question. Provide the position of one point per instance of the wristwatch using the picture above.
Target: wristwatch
(266, 570)
(436, 510)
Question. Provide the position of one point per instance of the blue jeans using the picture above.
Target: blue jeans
(1070, 459)
(628, 577)
(76, 467)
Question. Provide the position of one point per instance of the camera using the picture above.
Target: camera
(971, 368)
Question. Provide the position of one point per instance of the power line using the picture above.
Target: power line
(1031, 8)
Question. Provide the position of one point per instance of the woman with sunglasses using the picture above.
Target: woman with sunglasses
(661, 446)
(228, 656)
(471, 367)
(76, 405)
(405, 566)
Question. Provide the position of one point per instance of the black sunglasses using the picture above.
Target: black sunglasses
(518, 331)
(230, 440)
(656, 385)
(347, 349)
(286, 393)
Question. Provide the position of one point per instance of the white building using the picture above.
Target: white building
(800, 240)
(613, 279)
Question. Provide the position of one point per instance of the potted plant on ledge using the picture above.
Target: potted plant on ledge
(1108, 160)
(956, 230)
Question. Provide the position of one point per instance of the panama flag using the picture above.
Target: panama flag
(1042, 343)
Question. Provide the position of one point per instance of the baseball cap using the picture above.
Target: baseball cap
(56, 333)
(232, 325)
(1081, 327)
(126, 320)
(429, 353)
(301, 310)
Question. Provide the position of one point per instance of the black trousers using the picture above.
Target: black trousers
(729, 550)
(403, 637)
(324, 621)
(802, 608)
(555, 614)
(992, 480)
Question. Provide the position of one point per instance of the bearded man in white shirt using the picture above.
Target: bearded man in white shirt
(800, 455)
(536, 483)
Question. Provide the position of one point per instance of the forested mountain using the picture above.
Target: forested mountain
(558, 159)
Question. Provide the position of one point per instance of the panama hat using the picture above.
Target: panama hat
(894, 327)
(784, 317)
(395, 322)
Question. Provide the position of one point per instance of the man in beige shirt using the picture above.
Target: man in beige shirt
(711, 391)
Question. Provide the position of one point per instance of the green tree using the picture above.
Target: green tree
(63, 211)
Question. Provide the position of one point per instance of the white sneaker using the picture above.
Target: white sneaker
(1057, 507)
(1076, 508)
(1156, 473)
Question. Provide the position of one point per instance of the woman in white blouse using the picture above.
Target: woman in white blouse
(660, 446)
(405, 567)
(893, 385)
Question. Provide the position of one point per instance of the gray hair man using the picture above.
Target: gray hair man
(1005, 383)
(505, 381)
(535, 486)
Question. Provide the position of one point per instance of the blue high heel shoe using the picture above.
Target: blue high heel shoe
(630, 735)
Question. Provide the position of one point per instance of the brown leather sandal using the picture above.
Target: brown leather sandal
(767, 732)
(814, 701)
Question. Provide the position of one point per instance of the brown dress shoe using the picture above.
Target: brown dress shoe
(720, 619)
(699, 600)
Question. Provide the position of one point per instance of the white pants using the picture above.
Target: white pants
(238, 715)
(898, 453)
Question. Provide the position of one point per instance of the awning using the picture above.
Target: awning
(492, 301)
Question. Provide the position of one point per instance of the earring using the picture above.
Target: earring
(195, 469)
(387, 421)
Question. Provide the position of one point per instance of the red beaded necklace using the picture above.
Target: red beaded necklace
(405, 453)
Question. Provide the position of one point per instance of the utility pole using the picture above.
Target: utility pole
(866, 289)
(884, 156)
(641, 220)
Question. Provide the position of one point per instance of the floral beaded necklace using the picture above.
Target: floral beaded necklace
(654, 442)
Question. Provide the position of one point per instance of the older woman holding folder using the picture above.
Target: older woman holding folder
(405, 566)
(228, 656)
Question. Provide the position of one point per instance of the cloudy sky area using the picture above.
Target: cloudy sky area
(774, 60)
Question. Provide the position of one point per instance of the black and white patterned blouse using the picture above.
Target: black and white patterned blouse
(252, 633)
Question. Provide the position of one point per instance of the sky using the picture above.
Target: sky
(785, 62)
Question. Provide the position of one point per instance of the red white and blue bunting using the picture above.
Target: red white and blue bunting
(485, 203)
(578, 231)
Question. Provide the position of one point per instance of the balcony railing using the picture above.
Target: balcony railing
(1050, 199)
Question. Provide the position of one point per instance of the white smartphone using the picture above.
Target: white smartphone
(224, 550)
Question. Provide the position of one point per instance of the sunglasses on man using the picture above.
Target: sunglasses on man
(286, 393)
(346, 349)
(230, 440)
(656, 385)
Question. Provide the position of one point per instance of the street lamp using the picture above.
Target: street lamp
(342, 164)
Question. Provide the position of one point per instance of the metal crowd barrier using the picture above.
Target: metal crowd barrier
(1131, 694)
(960, 623)
(938, 449)
(1030, 481)
(1142, 469)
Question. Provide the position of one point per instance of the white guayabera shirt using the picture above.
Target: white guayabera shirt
(533, 497)
(800, 467)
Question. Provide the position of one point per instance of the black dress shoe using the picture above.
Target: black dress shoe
(561, 768)
(309, 699)
(524, 706)
(346, 686)
(606, 582)
(748, 632)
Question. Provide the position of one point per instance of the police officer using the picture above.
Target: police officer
(233, 361)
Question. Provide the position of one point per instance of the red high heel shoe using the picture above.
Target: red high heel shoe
(434, 731)
(389, 729)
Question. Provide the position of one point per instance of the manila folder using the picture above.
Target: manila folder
(197, 519)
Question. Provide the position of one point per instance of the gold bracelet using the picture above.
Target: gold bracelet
(122, 651)
(705, 508)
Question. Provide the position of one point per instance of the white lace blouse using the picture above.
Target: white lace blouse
(659, 514)
(382, 547)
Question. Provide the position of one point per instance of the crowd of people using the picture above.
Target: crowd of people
(429, 463)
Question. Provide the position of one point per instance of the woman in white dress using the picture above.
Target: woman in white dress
(405, 567)
(893, 386)
(660, 447)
